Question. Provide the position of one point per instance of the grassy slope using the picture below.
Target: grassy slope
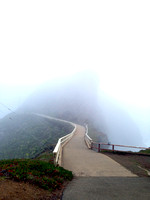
(147, 151)
(26, 136)
(41, 173)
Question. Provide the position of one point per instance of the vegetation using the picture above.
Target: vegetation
(46, 156)
(43, 174)
(27, 136)
(147, 151)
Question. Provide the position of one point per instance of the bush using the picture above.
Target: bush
(41, 173)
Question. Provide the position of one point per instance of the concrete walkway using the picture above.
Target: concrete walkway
(108, 188)
(85, 162)
(98, 177)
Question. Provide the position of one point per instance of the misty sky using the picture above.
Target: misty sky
(42, 40)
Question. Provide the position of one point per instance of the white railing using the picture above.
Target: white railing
(87, 138)
(98, 146)
(57, 153)
(59, 146)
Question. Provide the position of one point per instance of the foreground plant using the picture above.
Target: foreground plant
(41, 173)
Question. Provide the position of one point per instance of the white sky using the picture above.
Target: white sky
(40, 40)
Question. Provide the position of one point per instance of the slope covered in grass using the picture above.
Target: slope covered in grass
(26, 135)
(43, 174)
(147, 151)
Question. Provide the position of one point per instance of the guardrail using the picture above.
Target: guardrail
(116, 147)
(87, 138)
(57, 153)
(110, 147)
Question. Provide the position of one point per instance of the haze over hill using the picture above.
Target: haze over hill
(119, 125)
(74, 99)
(77, 99)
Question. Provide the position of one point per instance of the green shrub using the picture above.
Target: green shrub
(41, 173)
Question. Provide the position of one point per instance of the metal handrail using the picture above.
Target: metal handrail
(100, 146)
(57, 153)
(113, 147)
(88, 140)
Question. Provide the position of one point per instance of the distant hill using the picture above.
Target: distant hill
(26, 135)
(79, 99)
(74, 99)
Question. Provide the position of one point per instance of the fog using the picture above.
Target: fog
(121, 125)
(76, 95)
(45, 41)
(11, 97)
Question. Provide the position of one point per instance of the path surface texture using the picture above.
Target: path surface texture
(85, 162)
(97, 176)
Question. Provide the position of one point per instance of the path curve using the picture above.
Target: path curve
(85, 162)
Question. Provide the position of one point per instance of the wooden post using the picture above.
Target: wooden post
(99, 147)
(54, 157)
(113, 148)
(91, 145)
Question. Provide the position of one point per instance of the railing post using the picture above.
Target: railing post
(57, 153)
(99, 147)
(91, 145)
(113, 148)
(54, 156)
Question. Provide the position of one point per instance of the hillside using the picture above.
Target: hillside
(79, 99)
(27, 135)
(74, 99)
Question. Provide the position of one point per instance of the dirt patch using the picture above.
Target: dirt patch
(137, 164)
(11, 190)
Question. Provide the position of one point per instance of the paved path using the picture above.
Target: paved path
(84, 162)
(98, 177)
(108, 188)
